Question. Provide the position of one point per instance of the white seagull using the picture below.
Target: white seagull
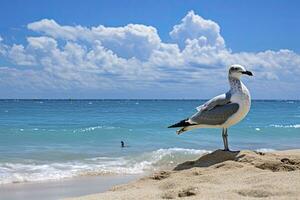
(224, 110)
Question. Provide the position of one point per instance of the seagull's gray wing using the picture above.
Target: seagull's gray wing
(216, 101)
(215, 116)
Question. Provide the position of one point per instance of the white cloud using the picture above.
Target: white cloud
(2, 47)
(133, 40)
(53, 29)
(42, 43)
(20, 56)
(194, 27)
(129, 41)
(133, 57)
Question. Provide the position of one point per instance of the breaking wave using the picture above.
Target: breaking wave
(286, 126)
(265, 150)
(32, 170)
(93, 128)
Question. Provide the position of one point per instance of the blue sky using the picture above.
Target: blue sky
(49, 49)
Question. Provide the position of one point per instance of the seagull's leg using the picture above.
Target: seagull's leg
(223, 136)
(225, 140)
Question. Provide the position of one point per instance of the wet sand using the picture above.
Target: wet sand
(54, 190)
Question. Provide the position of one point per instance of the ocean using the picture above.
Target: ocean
(42, 140)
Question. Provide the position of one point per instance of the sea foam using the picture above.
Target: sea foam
(31, 171)
(285, 126)
(265, 150)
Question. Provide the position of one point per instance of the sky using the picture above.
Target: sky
(147, 49)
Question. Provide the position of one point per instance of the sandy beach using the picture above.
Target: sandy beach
(218, 175)
(58, 189)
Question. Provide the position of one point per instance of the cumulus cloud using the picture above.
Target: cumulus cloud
(133, 40)
(2, 47)
(193, 28)
(134, 58)
(18, 55)
(53, 29)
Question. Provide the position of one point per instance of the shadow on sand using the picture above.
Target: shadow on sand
(210, 159)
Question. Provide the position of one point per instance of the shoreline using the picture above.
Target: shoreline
(218, 175)
(64, 188)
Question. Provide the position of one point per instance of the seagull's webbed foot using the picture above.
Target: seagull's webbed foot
(230, 151)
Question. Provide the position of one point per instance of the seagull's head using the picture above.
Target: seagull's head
(236, 71)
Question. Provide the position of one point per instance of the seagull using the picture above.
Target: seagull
(222, 111)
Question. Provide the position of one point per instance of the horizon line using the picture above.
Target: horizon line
(130, 99)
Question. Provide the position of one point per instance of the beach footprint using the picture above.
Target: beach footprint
(191, 191)
(161, 175)
(254, 193)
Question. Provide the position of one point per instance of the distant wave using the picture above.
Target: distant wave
(92, 128)
(31, 171)
(285, 126)
(264, 150)
(290, 102)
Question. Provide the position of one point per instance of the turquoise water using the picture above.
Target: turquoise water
(54, 139)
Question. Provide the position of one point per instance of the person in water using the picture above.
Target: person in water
(122, 144)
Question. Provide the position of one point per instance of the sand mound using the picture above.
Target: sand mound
(269, 161)
(220, 175)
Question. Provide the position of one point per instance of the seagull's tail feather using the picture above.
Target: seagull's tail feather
(182, 123)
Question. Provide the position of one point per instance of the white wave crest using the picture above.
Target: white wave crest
(285, 126)
(30, 171)
(93, 128)
(265, 150)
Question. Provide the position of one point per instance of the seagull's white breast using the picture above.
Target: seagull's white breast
(243, 98)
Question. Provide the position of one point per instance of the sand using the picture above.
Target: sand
(53, 190)
(218, 175)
